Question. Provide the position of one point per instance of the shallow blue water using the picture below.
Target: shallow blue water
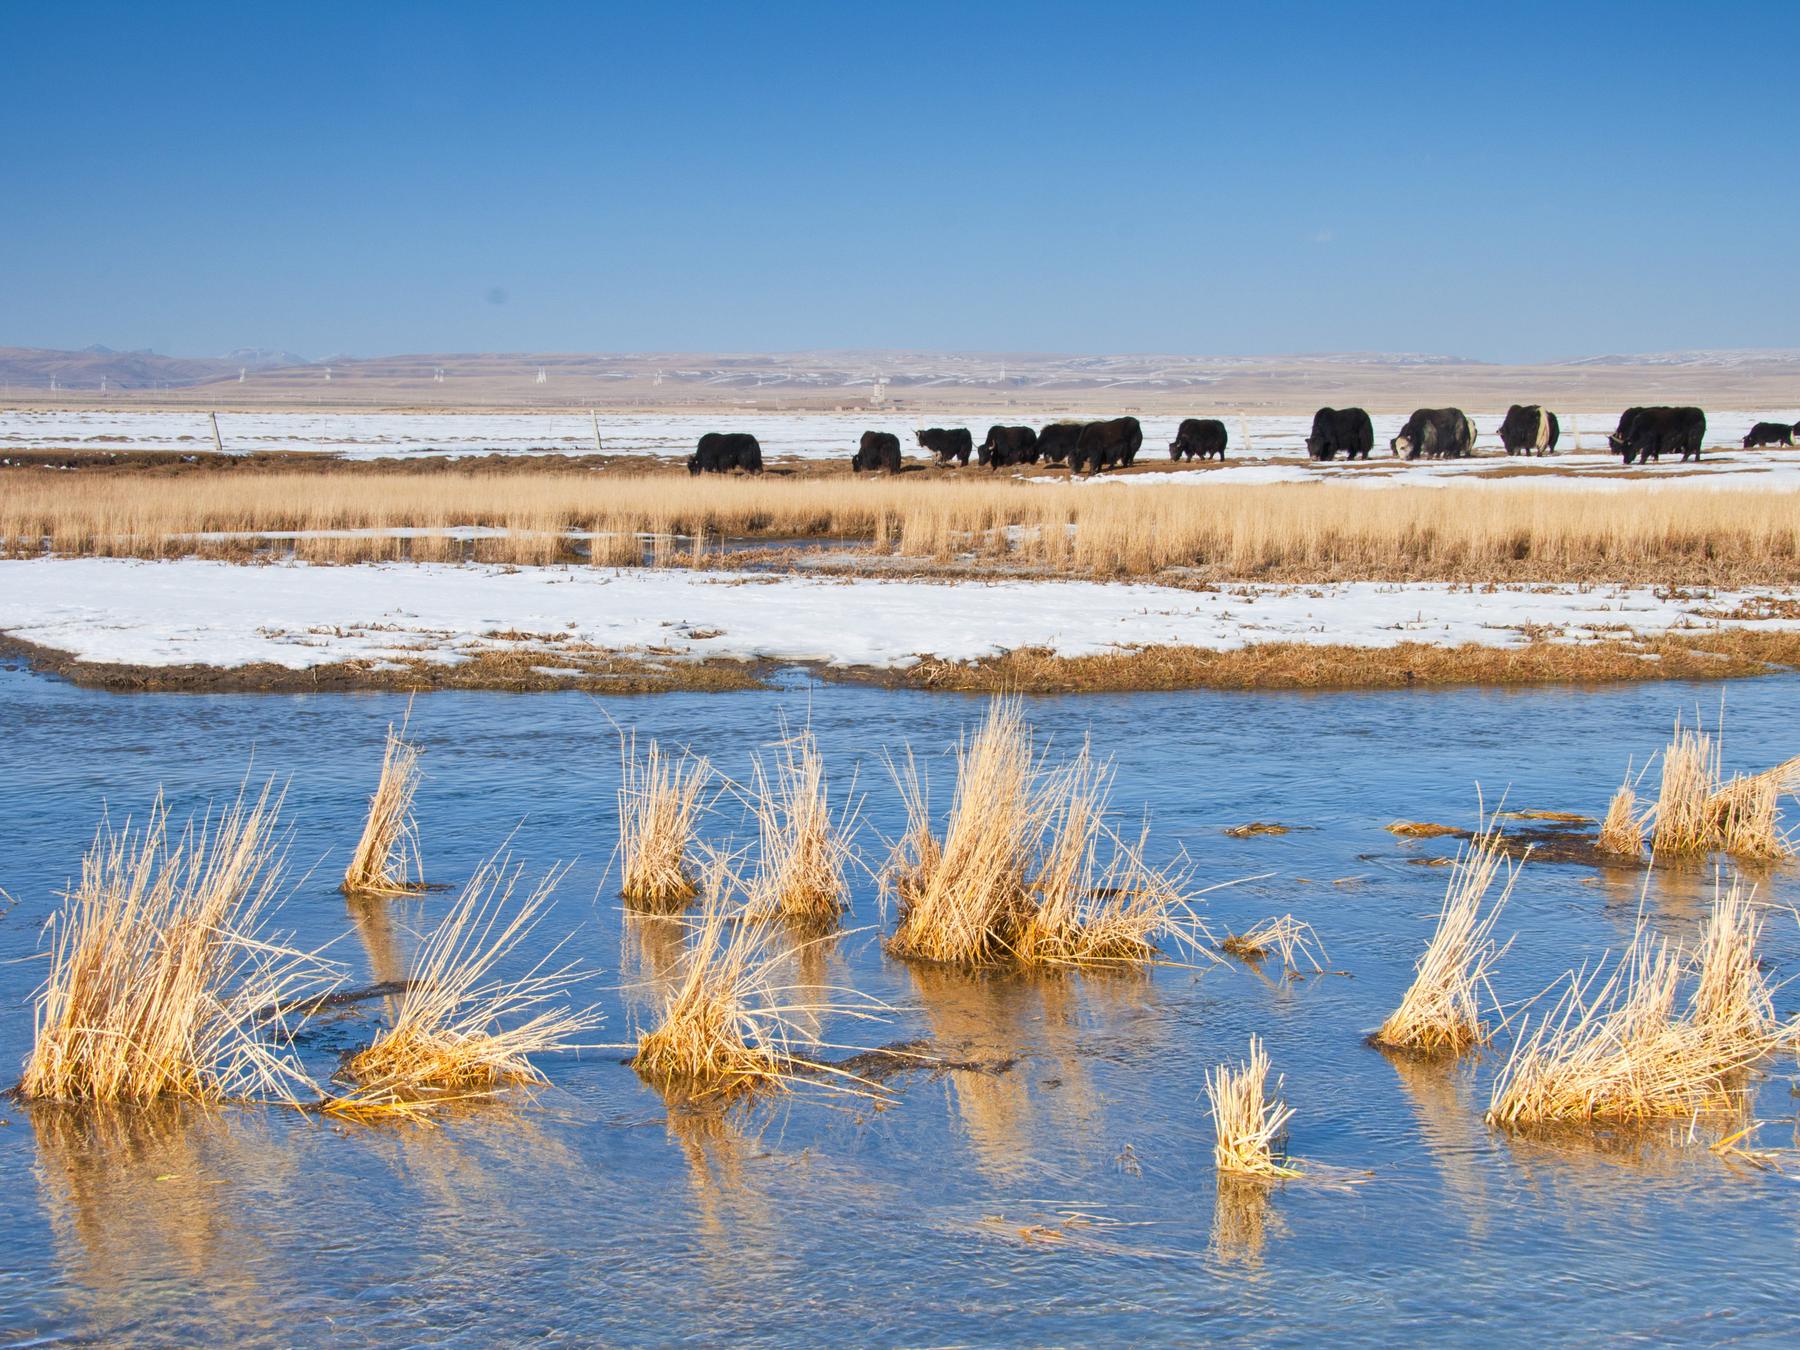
(945, 1216)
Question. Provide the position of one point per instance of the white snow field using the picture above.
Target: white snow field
(298, 616)
(808, 435)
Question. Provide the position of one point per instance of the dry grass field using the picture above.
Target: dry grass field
(1281, 533)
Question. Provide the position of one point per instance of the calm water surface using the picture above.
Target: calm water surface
(1063, 1192)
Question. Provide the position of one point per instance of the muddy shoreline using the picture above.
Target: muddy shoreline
(1732, 654)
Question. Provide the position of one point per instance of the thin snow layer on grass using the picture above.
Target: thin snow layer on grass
(367, 435)
(1770, 470)
(298, 616)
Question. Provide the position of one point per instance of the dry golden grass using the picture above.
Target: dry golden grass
(964, 896)
(1249, 1126)
(386, 860)
(463, 1030)
(1293, 938)
(1621, 830)
(1623, 1050)
(660, 800)
(1419, 829)
(1027, 870)
(1278, 532)
(727, 1027)
(1697, 810)
(804, 852)
(1440, 1012)
(162, 971)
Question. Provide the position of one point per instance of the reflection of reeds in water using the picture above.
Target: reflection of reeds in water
(1441, 1101)
(804, 852)
(146, 1210)
(650, 951)
(461, 1028)
(1249, 1125)
(373, 918)
(386, 860)
(983, 1021)
(660, 800)
(161, 966)
(1242, 1220)
(1027, 871)
(1440, 1012)
(1624, 1050)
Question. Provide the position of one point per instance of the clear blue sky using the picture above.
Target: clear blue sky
(1503, 182)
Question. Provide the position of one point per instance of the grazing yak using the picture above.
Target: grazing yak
(1056, 442)
(1770, 433)
(1529, 430)
(723, 451)
(948, 443)
(879, 451)
(1199, 438)
(1442, 433)
(1340, 429)
(1105, 445)
(1006, 446)
(1650, 433)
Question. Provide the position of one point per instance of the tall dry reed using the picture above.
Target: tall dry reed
(1252, 531)
(660, 801)
(165, 979)
(1440, 1012)
(386, 859)
(1623, 1048)
(462, 1028)
(1249, 1124)
(1027, 871)
(804, 852)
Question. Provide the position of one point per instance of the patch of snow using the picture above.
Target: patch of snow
(298, 615)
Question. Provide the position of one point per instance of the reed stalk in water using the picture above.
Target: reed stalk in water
(163, 971)
(660, 801)
(1249, 1125)
(462, 1029)
(804, 852)
(1440, 1012)
(386, 860)
(1293, 938)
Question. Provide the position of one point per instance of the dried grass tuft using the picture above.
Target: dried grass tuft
(461, 1029)
(1440, 1012)
(1621, 830)
(1249, 1127)
(727, 1027)
(1028, 871)
(804, 851)
(660, 800)
(164, 980)
(1419, 829)
(386, 860)
(1293, 938)
(1623, 1050)
(1699, 811)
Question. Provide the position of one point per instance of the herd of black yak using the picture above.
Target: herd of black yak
(1643, 435)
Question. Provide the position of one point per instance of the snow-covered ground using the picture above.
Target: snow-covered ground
(299, 616)
(812, 435)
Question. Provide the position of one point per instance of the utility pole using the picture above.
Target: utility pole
(218, 444)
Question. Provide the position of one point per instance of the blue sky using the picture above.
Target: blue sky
(1506, 183)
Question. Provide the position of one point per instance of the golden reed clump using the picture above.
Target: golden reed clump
(1293, 938)
(1440, 1012)
(1027, 871)
(1698, 810)
(386, 860)
(164, 978)
(728, 1025)
(462, 1029)
(1626, 1049)
(1249, 1125)
(804, 851)
(660, 800)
